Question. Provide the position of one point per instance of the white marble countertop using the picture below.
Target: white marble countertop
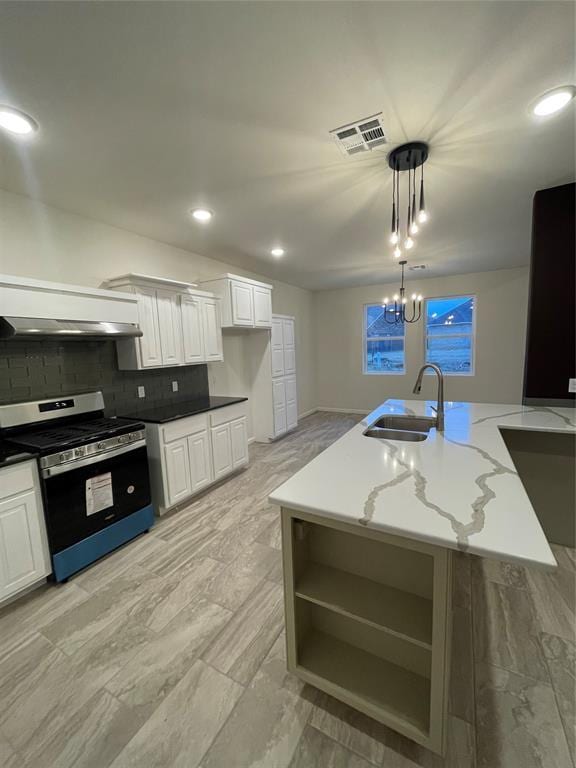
(458, 489)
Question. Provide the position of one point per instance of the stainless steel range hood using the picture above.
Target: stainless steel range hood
(34, 327)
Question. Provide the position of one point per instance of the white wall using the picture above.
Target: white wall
(43, 242)
(501, 307)
(46, 243)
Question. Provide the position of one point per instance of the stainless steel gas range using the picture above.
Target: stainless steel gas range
(94, 475)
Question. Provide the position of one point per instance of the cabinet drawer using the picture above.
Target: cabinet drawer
(228, 413)
(16, 479)
(184, 427)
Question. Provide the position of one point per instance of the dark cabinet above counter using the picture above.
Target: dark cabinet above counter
(551, 338)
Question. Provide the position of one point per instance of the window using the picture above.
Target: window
(383, 343)
(450, 334)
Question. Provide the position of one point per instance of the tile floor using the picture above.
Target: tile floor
(170, 653)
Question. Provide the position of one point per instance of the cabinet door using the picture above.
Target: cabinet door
(242, 303)
(192, 329)
(262, 307)
(221, 450)
(277, 348)
(200, 460)
(289, 346)
(177, 471)
(170, 328)
(239, 439)
(212, 329)
(149, 342)
(279, 401)
(291, 403)
(23, 556)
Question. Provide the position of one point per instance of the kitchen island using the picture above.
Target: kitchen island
(369, 527)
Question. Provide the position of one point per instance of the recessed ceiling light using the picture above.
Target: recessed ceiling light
(277, 252)
(16, 121)
(201, 214)
(553, 101)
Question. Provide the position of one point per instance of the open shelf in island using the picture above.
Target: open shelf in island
(368, 621)
(392, 610)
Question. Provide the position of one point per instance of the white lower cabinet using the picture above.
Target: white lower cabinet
(190, 454)
(200, 455)
(291, 402)
(285, 404)
(279, 399)
(177, 464)
(239, 442)
(222, 450)
(24, 555)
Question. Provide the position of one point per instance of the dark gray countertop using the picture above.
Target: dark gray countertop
(181, 409)
(12, 454)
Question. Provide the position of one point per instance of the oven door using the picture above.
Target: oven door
(90, 494)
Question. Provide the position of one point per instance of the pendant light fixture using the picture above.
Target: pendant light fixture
(407, 157)
(398, 310)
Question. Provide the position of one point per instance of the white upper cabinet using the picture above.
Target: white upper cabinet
(212, 330)
(149, 343)
(277, 347)
(180, 324)
(246, 303)
(170, 328)
(282, 346)
(242, 297)
(192, 329)
(262, 307)
(289, 345)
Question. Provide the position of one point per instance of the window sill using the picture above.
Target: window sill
(384, 373)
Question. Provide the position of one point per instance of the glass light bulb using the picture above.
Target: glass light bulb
(408, 243)
(423, 217)
(553, 102)
(395, 297)
(414, 228)
(386, 301)
(419, 297)
(413, 297)
(404, 300)
(394, 238)
(397, 253)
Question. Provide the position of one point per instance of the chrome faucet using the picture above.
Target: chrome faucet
(439, 410)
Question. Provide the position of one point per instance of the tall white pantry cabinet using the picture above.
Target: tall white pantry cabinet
(275, 388)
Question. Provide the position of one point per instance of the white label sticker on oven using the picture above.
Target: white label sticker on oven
(99, 493)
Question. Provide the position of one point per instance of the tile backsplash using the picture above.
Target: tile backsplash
(38, 369)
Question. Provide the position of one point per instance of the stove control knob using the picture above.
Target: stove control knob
(81, 451)
(101, 445)
(124, 438)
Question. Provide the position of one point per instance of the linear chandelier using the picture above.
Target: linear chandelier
(407, 157)
(399, 311)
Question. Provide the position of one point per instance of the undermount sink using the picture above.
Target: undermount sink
(412, 429)
(406, 422)
(396, 434)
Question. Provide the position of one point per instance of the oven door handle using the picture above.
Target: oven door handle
(77, 464)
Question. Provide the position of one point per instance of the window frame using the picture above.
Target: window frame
(365, 370)
(472, 335)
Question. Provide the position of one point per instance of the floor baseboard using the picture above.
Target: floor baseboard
(360, 412)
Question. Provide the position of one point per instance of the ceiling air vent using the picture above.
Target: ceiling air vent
(360, 136)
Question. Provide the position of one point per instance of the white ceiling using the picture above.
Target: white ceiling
(147, 109)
